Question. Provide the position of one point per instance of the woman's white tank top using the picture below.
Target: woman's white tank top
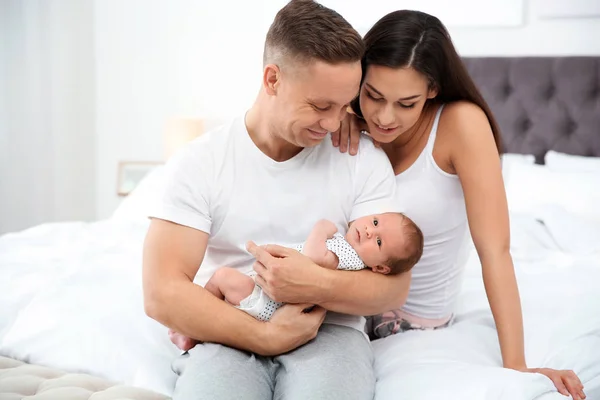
(434, 200)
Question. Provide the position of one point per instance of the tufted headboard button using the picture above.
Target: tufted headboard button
(569, 126)
(595, 92)
(550, 92)
(507, 90)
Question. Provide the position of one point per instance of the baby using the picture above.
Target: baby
(388, 243)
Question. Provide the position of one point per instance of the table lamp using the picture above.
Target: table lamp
(179, 131)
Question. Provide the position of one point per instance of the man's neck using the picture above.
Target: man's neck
(263, 136)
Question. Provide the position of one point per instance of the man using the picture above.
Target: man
(269, 177)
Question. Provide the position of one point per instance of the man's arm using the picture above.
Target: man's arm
(172, 256)
(289, 276)
(362, 292)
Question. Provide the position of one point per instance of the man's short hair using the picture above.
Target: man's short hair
(413, 249)
(304, 31)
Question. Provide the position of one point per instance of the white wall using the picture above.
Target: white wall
(93, 82)
(157, 59)
(4, 162)
(497, 27)
(537, 36)
(47, 159)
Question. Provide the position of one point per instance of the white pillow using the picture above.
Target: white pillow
(570, 163)
(533, 186)
(136, 206)
(572, 233)
(518, 158)
(510, 159)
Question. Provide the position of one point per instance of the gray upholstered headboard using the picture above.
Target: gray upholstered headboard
(543, 103)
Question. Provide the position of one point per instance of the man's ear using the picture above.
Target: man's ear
(382, 269)
(271, 79)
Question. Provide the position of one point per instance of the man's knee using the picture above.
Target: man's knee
(338, 364)
(198, 359)
(215, 371)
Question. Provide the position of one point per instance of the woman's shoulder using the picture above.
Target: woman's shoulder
(462, 128)
(463, 113)
(463, 119)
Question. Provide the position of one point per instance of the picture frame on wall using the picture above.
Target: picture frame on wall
(560, 9)
(131, 173)
(481, 14)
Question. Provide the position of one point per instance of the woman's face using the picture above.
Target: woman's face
(392, 99)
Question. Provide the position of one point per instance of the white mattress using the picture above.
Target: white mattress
(71, 298)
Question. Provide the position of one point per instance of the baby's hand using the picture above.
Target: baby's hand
(326, 227)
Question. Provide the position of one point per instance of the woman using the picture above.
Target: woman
(419, 103)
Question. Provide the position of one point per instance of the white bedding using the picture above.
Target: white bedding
(70, 298)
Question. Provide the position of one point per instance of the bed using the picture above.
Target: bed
(71, 318)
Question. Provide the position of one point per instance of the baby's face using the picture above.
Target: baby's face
(377, 238)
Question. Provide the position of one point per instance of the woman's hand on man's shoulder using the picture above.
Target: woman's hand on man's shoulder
(347, 137)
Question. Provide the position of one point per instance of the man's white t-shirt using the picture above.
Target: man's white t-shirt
(222, 184)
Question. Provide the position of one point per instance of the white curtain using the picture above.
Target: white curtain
(47, 140)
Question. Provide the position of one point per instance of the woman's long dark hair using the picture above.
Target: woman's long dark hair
(415, 39)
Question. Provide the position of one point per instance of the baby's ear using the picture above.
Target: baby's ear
(382, 269)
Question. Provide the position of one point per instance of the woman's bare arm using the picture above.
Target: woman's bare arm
(477, 163)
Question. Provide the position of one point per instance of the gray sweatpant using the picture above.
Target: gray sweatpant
(337, 364)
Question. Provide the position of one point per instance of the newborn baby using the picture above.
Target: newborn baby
(389, 243)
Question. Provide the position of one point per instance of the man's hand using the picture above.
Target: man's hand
(290, 327)
(285, 274)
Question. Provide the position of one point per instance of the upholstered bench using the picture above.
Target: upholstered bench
(19, 380)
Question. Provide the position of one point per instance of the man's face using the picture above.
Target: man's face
(311, 100)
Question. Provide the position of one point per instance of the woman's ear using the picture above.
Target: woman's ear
(433, 91)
